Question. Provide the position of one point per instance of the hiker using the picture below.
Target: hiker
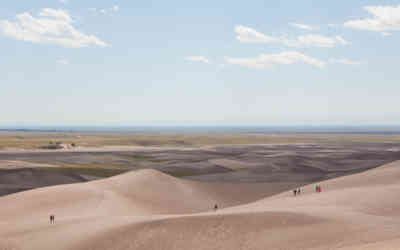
(295, 192)
(215, 207)
(298, 191)
(51, 219)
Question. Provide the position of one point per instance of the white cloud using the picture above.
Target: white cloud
(115, 8)
(107, 11)
(268, 60)
(317, 41)
(249, 35)
(50, 27)
(301, 26)
(64, 1)
(344, 61)
(57, 14)
(385, 18)
(63, 61)
(202, 59)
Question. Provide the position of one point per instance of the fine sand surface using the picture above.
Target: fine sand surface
(147, 209)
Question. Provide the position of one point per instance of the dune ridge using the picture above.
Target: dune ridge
(147, 209)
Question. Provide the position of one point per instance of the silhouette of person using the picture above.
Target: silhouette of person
(295, 192)
(318, 188)
(215, 207)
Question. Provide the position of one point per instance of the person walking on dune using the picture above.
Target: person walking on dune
(318, 188)
(295, 192)
(215, 207)
(52, 219)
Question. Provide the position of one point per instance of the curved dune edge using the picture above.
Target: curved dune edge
(137, 193)
(353, 212)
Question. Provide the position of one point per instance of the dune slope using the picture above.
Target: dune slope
(142, 192)
(151, 210)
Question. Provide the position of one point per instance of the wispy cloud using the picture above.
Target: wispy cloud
(249, 35)
(268, 60)
(385, 18)
(63, 61)
(201, 59)
(317, 41)
(105, 11)
(51, 26)
(64, 1)
(345, 61)
(302, 26)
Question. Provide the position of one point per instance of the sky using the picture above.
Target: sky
(264, 63)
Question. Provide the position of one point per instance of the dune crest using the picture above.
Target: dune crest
(136, 193)
(147, 209)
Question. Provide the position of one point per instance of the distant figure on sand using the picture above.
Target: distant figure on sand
(298, 191)
(295, 192)
(51, 219)
(215, 207)
(318, 188)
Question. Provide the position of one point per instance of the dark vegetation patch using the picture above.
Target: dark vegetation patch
(16, 180)
(188, 171)
(291, 164)
(96, 172)
(138, 157)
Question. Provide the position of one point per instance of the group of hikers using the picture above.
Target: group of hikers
(297, 191)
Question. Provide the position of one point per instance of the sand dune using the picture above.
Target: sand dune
(147, 209)
(142, 192)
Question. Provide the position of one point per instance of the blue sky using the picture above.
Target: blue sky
(199, 62)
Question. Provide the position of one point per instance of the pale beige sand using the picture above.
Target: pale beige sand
(150, 210)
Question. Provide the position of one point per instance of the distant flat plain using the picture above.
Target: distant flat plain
(34, 140)
(287, 159)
